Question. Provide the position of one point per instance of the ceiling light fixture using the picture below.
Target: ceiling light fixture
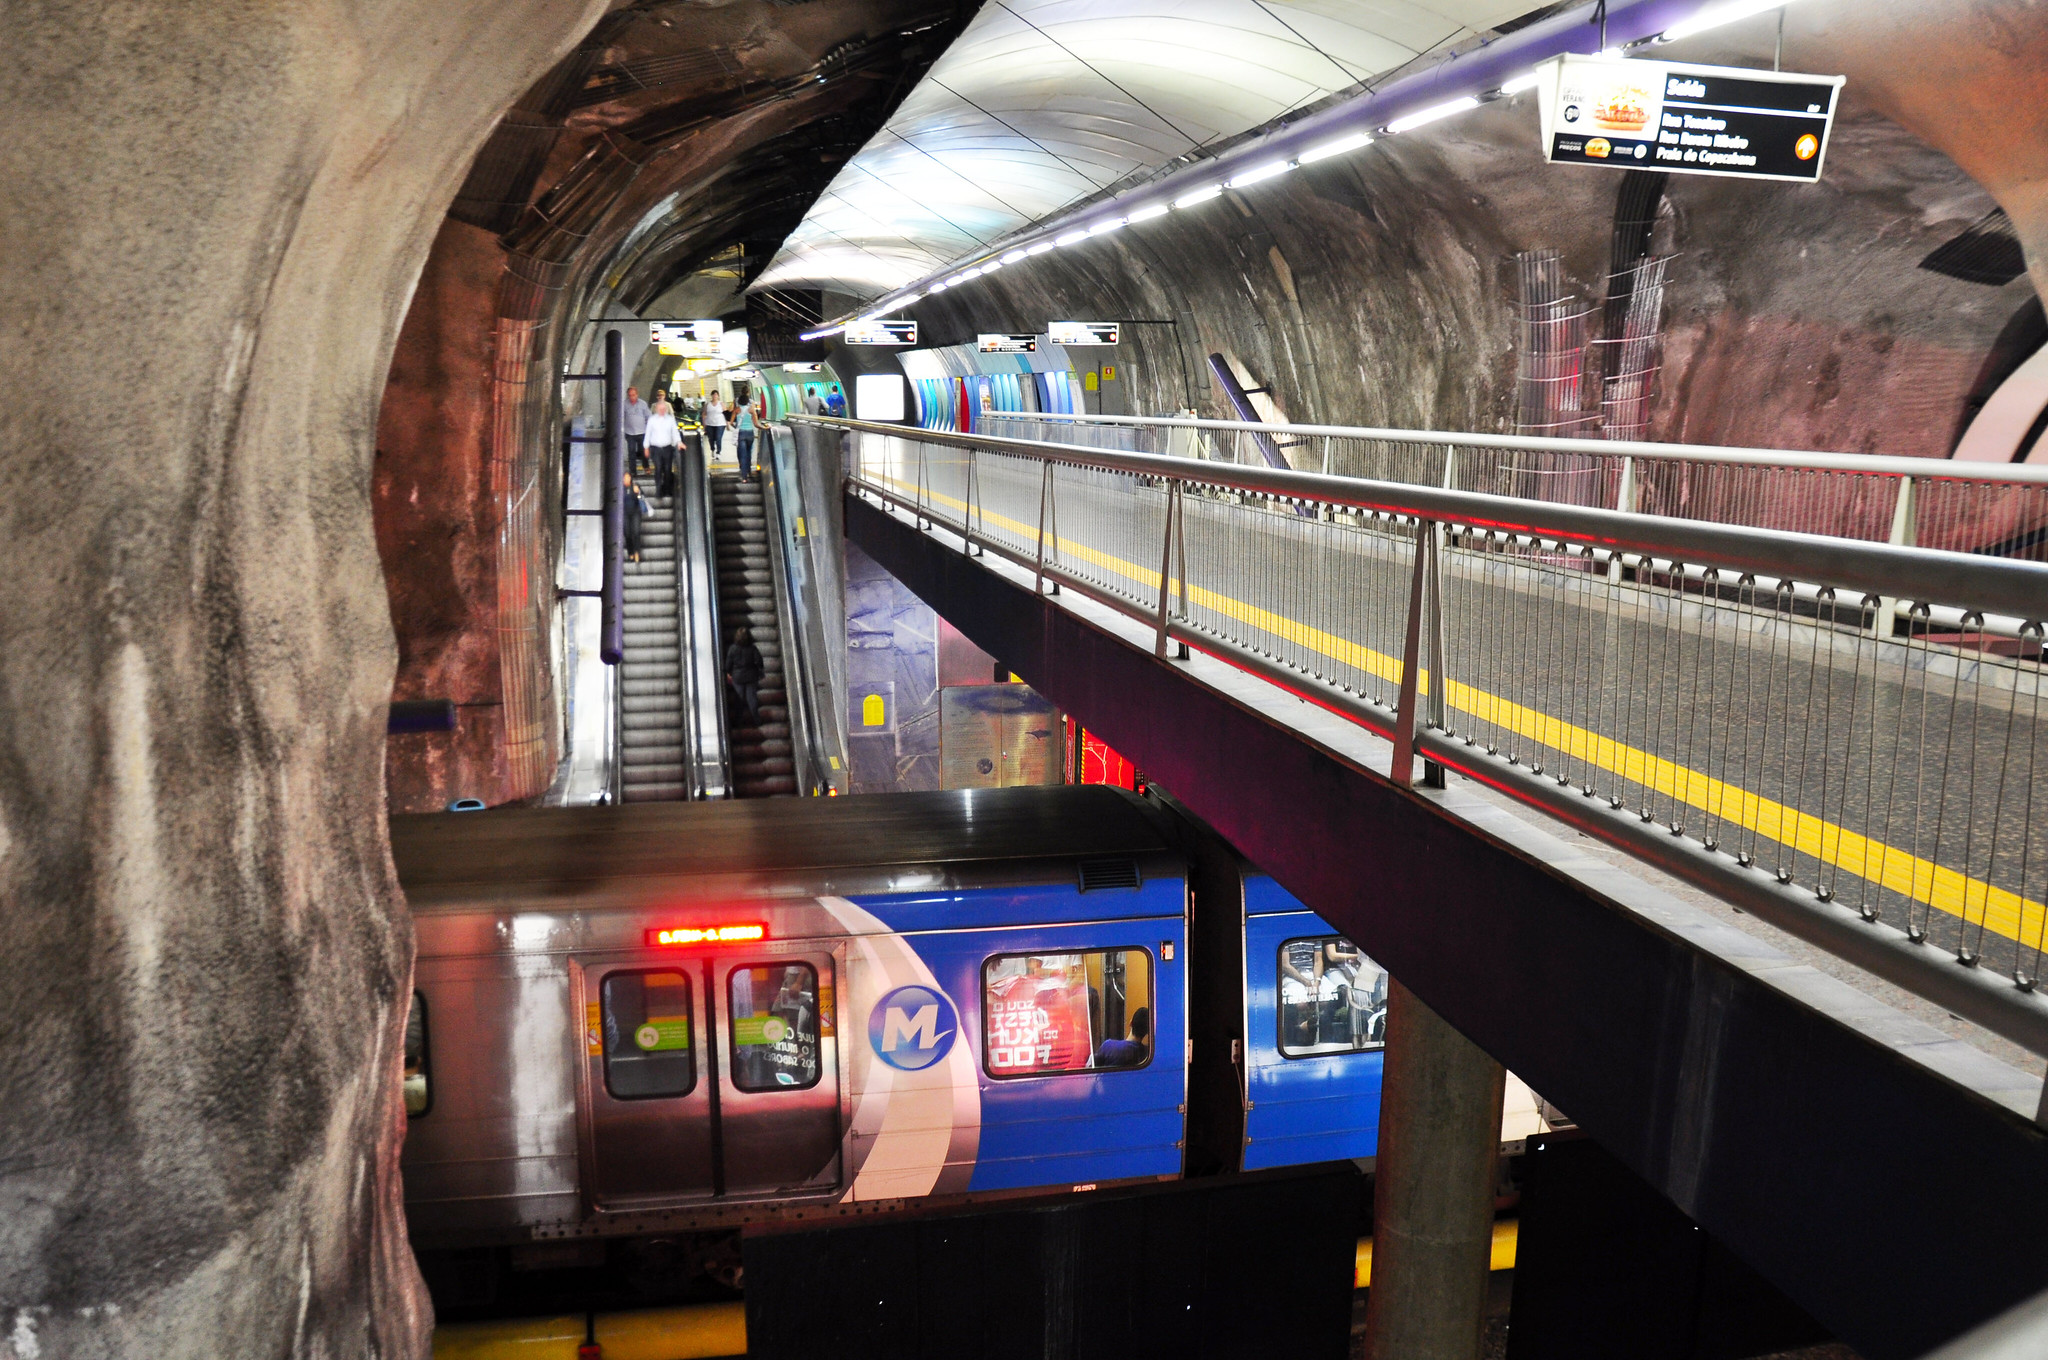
(821, 334)
(1040, 247)
(1432, 114)
(1105, 227)
(1716, 16)
(1525, 81)
(1202, 195)
(1071, 237)
(1261, 172)
(1014, 256)
(1150, 211)
(1336, 148)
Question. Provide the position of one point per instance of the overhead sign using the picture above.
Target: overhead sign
(799, 368)
(1009, 344)
(686, 339)
(1083, 332)
(881, 333)
(1690, 120)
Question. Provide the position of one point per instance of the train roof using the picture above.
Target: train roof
(792, 845)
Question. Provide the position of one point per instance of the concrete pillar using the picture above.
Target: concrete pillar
(1433, 1192)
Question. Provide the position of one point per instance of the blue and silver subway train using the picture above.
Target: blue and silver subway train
(696, 1017)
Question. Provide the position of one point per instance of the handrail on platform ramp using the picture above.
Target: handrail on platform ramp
(1723, 701)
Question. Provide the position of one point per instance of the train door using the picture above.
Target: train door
(778, 1081)
(710, 1076)
(650, 1090)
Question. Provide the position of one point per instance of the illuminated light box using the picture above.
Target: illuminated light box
(1690, 120)
(878, 396)
(1083, 332)
(668, 937)
(881, 333)
(1008, 344)
(685, 339)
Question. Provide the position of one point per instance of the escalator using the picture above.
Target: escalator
(650, 673)
(763, 754)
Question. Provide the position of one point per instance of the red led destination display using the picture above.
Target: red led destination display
(669, 937)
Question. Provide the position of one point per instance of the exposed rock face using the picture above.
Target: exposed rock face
(676, 131)
(207, 962)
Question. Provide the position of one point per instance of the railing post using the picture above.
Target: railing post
(1166, 566)
(611, 647)
(1044, 505)
(1411, 654)
(1904, 521)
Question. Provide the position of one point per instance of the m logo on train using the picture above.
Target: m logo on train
(913, 1027)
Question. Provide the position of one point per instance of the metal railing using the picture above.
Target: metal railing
(1714, 698)
(1982, 508)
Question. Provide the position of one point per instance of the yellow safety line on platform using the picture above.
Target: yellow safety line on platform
(2002, 912)
(690, 1332)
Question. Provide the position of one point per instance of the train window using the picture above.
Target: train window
(647, 1047)
(1333, 999)
(419, 1091)
(774, 1026)
(1081, 1012)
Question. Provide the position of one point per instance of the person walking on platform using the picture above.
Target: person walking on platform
(664, 446)
(714, 430)
(814, 405)
(743, 672)
(743, 432)
(634, 421)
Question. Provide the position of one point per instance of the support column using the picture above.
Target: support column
(1432, 1232)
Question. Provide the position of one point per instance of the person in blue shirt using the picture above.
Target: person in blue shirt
(835, 401)
(1130, 1052)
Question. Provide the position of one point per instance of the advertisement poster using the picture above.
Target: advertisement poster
(1038, 1015)
(1689, 120)
(1008, 344)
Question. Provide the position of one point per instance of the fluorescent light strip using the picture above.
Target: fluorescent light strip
(1717, 16)
(1261, 172)
(991, 266)
(1336, 148)
(1015, 256)
(1040, 247)
(1150, 211)
(1105, 227)
(1202, 195)
(819, 335)
(939, 286)
(1432, 114)
(1071, 237)
(1525, 81)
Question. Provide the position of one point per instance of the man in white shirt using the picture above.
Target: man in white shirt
(714, 429)
(634, 420)
(814, 405)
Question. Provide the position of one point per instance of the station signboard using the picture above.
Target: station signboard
(800, 367)
(881, 333)
(686, 339)
(1689, 120)
(1083, 332)
(1009, 344)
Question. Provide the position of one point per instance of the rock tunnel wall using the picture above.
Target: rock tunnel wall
(661, 138)
(207, 960)
(1380, 288)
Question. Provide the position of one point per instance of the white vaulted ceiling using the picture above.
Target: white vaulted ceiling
(1040, 103)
